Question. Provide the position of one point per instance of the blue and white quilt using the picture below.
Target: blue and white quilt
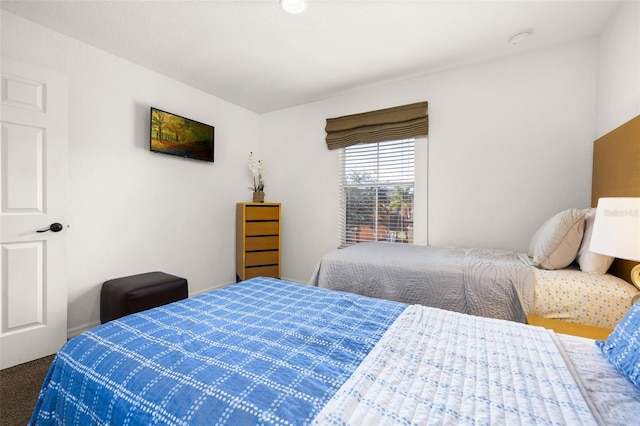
(264, 351)
(433, 367)
(267, 351)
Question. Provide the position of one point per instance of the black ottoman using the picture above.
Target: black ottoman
(128, 295)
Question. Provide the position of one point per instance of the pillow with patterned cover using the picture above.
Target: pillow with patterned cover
(622, 347)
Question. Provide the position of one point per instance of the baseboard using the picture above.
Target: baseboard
(294, 280)
(207, 290)
(73, 332)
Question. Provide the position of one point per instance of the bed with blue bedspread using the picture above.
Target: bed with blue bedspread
(268, 351)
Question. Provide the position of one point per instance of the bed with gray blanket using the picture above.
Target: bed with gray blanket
(491, 283)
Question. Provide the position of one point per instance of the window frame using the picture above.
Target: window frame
(397, 161)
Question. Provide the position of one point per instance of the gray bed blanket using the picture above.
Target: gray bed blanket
(485, 282)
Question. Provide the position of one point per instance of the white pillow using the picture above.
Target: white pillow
(555, 244)
(590, 262)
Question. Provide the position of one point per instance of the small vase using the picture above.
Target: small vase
(258, 197)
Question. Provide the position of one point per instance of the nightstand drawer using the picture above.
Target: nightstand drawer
(262, 228)
(258, 258)
(262, 271)
(262, 243)
(262, 213)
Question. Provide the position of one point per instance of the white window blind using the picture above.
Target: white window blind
(377, 181)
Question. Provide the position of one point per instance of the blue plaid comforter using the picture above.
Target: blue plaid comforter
(263, 351)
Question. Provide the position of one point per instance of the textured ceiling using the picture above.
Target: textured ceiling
(255, 55)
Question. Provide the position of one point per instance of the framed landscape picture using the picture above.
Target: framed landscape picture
(176, 135)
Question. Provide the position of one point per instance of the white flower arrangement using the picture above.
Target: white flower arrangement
(257, 170)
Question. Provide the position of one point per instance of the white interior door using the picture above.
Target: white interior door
(33, 195)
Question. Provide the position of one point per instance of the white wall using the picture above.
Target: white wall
(619, 69)
(509, 146)
(131, 210)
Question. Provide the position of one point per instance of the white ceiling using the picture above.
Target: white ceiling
(255, 55)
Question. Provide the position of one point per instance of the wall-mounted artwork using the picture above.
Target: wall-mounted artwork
(176, 135)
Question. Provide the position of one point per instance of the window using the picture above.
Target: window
(377, 184)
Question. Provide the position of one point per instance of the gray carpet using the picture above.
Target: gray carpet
(19, 388)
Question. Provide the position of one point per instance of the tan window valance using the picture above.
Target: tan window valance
(401, 122)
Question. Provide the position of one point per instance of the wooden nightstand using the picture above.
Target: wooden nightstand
(258, 231)
(574, 329)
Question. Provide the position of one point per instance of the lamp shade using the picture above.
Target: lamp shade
(616, 230)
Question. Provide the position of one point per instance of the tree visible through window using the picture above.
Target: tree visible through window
(377, 192)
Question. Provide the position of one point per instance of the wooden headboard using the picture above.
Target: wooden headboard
(616, 173)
